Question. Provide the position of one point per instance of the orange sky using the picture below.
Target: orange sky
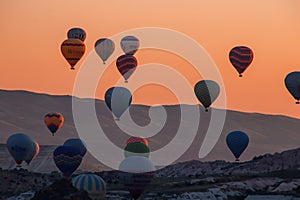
(33, 30)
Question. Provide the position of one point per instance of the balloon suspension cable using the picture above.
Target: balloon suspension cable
(240, 75)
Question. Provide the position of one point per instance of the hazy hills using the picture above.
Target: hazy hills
(22, 111)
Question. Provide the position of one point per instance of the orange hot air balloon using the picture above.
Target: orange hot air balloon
(53, 121)
(73, 50)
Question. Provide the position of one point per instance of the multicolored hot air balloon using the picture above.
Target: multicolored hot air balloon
(237, 142)
(207, 92)
(33, 153)
(78, 143)
(292, 83)
(54, 121)
(104, 47)
(137, 139)
(130, 45)
(136, 149)
(126, 65)
(94, 185)
(77, 33)
(20, 147)
(67, 159)
(72, 50)
(240, 57)
(137, 173)
(118, 99)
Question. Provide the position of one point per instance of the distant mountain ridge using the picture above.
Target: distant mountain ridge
(23, 111)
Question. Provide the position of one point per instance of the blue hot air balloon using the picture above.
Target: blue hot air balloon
(91, 183)
(130, 44)
(104, 47)
(292, 83)
(118, 99)
(67, 159)
(77, 33)
(78, 143)
(20, 146)
(237, 142)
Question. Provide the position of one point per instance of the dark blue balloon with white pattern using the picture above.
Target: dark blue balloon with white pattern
(237, 142)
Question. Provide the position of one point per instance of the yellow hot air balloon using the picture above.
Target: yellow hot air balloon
(73, 50)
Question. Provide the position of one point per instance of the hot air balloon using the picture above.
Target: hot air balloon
(207, 91)
(237, 142)
(20, 146)
(78, 143)
(137, 139)
(67, 159)
(136, 173)
(292, 83)
(91, 183)
(77, 33)
(126, 65)
(118, 99)
(240, 57)
(136, 149)
(54, 121)
(130, 45)
(104, 47)
(72, 50)
(35, 151)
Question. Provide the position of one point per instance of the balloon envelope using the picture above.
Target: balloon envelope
(130, 45)
(104, 47)
(72, 50)
(76, 142)
(136, 149)
(241, 57)
(54, 121)
(20, 146)
(35, 151)
(237, 142)
(136, 172)
(67, 159)
(292, 84)
(137, 139)
(207, 91)
(91, 183)
(118, 99)
(126, 65)
(77, 33)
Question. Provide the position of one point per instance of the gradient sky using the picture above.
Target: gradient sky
(33, 30)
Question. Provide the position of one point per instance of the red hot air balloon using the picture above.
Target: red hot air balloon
(137, 139)
(241, 57)
(126, 65)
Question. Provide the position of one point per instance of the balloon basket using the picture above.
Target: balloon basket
(72, 68)
(297, 102)
(126, 81)
(240, 75)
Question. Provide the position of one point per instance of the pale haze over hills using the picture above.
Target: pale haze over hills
(23, 111)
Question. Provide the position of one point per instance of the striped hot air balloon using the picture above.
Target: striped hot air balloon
(67, 159)
(72, 50)
(94, 185)
(54, 121)
(241, 57)
(126, 65)
(137, 139)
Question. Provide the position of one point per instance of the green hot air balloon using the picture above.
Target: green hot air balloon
(136, 149)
